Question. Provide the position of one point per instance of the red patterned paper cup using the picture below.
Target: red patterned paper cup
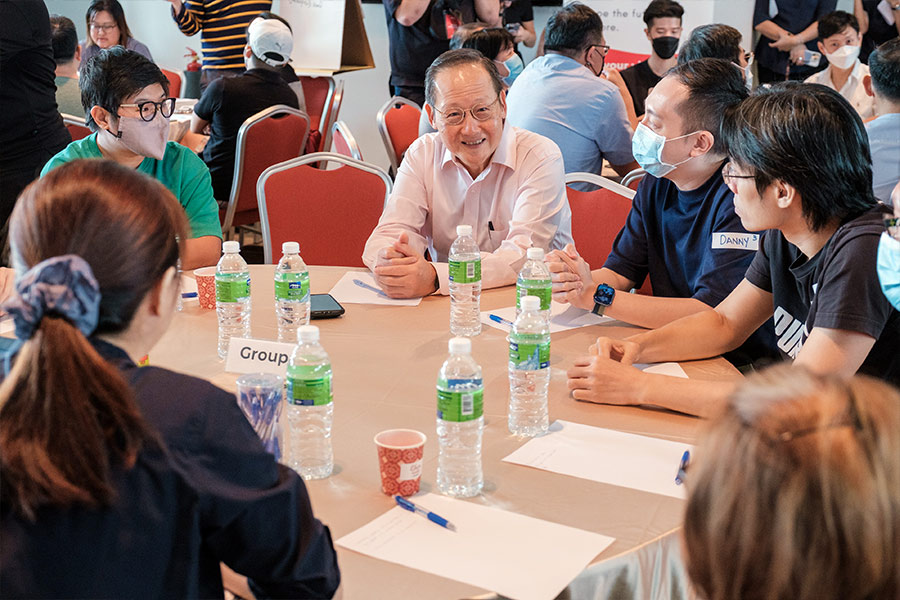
(206, 287)
(400, 460)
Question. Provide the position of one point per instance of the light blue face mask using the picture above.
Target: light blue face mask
(888, 264)
(647, 147)
(515, 66)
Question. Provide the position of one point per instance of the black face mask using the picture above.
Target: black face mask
(665, 47)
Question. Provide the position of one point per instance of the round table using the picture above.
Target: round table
(385, 361)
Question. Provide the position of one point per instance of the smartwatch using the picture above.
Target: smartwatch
(603, 297)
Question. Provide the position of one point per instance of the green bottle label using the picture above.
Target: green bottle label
(292, 286)
(537, 287)
(459, 406)
(232, 291)
(309, 392)
(529, 352)
(465, 271)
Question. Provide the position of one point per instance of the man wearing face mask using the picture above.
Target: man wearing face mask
(126, 105)
(682, 230)
(840, 41)
(562, 96)
(663, 20)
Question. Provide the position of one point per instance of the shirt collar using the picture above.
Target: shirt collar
(505, 154)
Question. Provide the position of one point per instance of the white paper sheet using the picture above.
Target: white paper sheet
(517, 556)
(668, 368)
(562, 317)
(346, 291)
(624, 459)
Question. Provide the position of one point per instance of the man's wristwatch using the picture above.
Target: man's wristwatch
(603, 297)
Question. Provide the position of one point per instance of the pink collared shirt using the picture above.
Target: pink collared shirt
(517, 202)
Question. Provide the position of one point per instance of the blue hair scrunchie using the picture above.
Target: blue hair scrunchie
(62, 285)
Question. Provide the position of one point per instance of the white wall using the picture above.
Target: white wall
(364, 91)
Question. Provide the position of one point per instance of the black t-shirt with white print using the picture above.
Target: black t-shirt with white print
(837, 288)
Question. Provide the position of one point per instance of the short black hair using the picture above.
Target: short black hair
(835, 22)
(661, 9)
(714, 86)
(490, 41)
(457, 58)
(809, 137)
(573, 28)
(64, 38)
(112, 76)
(884, 67)
(712, 41)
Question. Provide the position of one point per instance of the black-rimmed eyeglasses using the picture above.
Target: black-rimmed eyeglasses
(148, 108)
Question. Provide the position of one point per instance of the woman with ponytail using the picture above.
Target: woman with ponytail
(119, 481)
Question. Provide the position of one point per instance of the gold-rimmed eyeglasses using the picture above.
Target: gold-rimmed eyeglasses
(455, 116)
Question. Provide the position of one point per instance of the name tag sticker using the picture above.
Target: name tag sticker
(735, 241)
(247, 355)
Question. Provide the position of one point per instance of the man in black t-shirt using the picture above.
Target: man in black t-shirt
(420, 30)
(229, 101)
(801, 172)
(663, 19)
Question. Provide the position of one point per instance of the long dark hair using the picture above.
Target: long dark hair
(118, 14)
(66, 415)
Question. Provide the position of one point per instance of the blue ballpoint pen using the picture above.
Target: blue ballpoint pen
(501, 320)
(404, 503)
(371, 288)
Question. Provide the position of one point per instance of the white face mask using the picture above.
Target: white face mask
(843, 57)
(146, 138)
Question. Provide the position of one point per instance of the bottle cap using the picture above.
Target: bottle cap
(460, 345)
(530, 303)
(290, 248)
(231, 246)
(535, 254)
(308, 333)
(463, 230)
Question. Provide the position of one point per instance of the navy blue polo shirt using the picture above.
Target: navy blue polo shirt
(691, 244)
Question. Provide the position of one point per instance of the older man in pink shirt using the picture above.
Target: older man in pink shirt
(507, 183)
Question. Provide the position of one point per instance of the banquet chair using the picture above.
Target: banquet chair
(633, 178)
(598, 216)
(330, 212)
(398, 124)
(77, 129)
(336, 99)
(174, 82)
(318, 94)
(344, 142)
(271, 136)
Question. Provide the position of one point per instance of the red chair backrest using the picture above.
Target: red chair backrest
(330, 212)
(597, 218)
(174, 82)
(261, 144)
(77, 131)
(402, 123)
(317, 92)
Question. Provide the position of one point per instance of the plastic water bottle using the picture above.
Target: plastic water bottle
(534, 280)
(309, 407)
(291, 292)
(460, 420)
(232, 296)
(465, 284)
(529, 370)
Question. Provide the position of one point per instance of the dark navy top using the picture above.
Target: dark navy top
(213, 495)
(793, 16)
(691, 244)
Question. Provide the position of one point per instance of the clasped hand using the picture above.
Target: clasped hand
(404, 273)
(606, 375)
(571, 278)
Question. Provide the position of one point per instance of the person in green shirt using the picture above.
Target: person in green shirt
(125, 98)
(67, 55)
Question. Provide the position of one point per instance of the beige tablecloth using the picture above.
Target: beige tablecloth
(385, 361)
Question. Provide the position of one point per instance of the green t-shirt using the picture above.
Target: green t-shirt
(180, 170)
(68, 97)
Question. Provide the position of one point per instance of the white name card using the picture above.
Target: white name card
(247, 355)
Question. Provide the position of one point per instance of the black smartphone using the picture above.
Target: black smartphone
(323, 306)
